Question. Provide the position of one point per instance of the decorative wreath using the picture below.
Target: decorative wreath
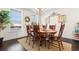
(27, 19)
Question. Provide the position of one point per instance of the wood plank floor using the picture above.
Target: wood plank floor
(12, 45)
(67, 46)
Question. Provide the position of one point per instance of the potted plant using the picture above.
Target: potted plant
(4, 20)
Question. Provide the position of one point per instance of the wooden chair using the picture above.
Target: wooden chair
(58, 38)
(36, 37)
(28, 33)
(52, 27)
(27, 29)
(44, 35)
(51, 35)
(44, 27)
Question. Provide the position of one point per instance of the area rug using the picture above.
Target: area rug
(67, 46)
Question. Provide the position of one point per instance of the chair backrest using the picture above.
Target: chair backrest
(44, 27)
(36, 29)
(27, 28)
(61, 30)
(52, 27)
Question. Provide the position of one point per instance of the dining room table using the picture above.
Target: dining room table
(45, 32)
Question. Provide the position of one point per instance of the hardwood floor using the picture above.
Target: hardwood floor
(67, 46)
(12, 45)
(75, 44)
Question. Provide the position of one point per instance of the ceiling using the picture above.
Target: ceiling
(43, 10)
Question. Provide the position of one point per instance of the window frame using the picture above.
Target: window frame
(14, 24)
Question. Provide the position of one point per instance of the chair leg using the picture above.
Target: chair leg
(29, 41)
(48, 44)
(26, 39)
(59, 46)
(33, 44)
(40, 43)
(45, 43)
(62, 45)
(52, 42)
(33, 40)
(39, 46)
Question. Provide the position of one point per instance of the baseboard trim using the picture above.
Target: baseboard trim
(17, 38)
(72, 41)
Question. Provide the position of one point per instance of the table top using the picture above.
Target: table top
(48, 30)
(45, 30)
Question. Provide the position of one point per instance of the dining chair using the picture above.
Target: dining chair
(52, 27)
(58, 38)
(29, 35)
(36, 37)
(51, 35)
(44, 27)
(27, 29)
(44, 35)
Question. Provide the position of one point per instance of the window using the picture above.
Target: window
(34, 18)
(15, 16)
(53, 20)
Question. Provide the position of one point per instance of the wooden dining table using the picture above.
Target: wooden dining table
(45, 31)
(44, 35)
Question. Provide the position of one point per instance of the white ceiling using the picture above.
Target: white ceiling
(43, 10)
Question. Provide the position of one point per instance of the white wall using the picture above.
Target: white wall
(9, 33)
(72, 15)
(72, 19)
(26, 12)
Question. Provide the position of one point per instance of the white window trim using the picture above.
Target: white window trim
(21, 17)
